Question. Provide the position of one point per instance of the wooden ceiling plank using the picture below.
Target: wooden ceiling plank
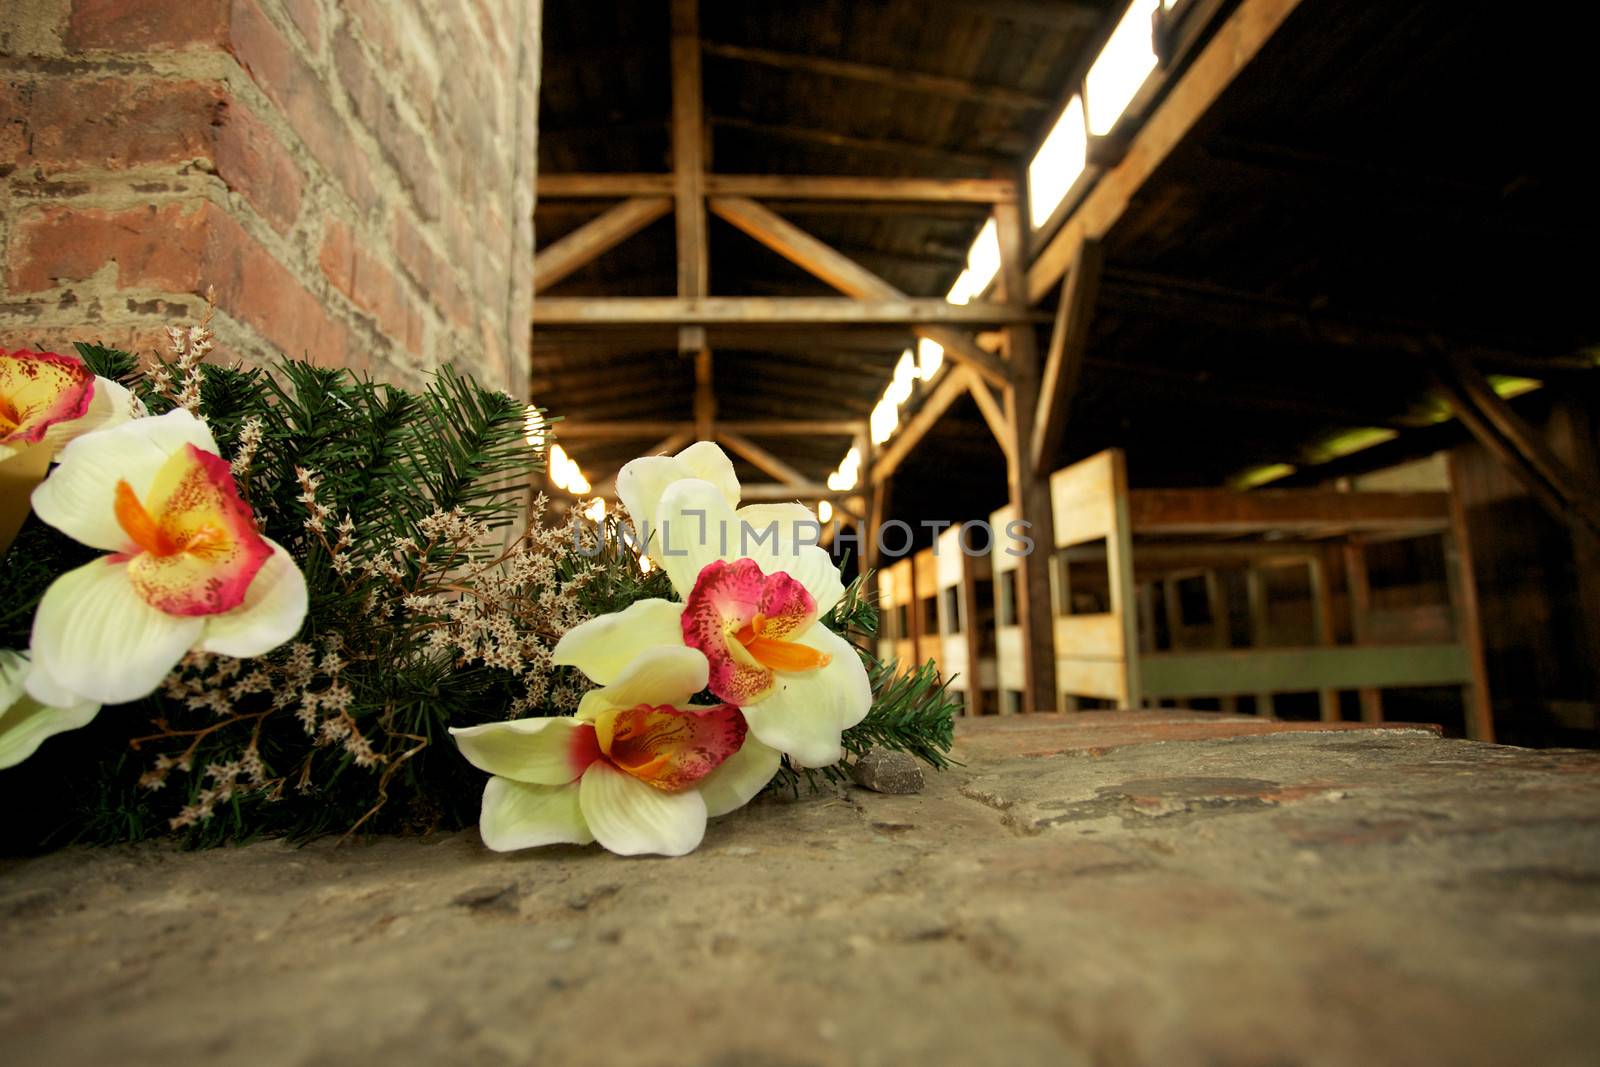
(596, 237)
(893, 77)
(603, 186)
(853, 143)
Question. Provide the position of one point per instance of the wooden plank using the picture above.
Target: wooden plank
(688, 172)
(1069, 340)
(1315, 510)
(1083, 499)
(866, 190)
(625, 429)
(1469, 626)
(705, 400)
(1522, 448)
(1260, 628)
(871, 73)
(989, 408)
(768, 310)
(843, 273)
(946, 389)
(760, 457)
(595, 238)
(1287, 670)
(1094, 636)
(1102, 678)
(1322, 617)
(1029, 490)
(603, 186)
(1360, 590)
(1230, 50)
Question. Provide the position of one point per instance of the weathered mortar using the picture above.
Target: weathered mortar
(354, 179)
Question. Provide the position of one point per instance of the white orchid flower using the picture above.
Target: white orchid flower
(187, 567)
(48, 399)
(639, 769)
(26, 721)
(754, 584)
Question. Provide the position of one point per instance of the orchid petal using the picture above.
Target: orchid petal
(93, 636)
(694, 527)
(661, 674)
(741, 776)
(516, 815)
(807, 710)
(273, 609)
(550, 751)
(603, 647)
(79, 496)
(25, 723)
(110, 406)
(708, 462)
(631, 818)
(641, 483)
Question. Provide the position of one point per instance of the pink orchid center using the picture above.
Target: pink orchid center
(746, 623)
(667, 748)
(196, 547)
(38, 390)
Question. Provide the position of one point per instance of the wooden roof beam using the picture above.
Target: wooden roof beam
(844, 274)
(893, 77)
(789, 186)
(601, 312)
(958, 157)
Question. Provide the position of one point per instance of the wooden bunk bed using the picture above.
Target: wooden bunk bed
(963, 593)
(897, 633)
(1106, 641)
(1005, 566)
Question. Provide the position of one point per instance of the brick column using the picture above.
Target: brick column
(353, 178)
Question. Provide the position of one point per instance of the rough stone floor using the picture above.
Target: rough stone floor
(1115, 890)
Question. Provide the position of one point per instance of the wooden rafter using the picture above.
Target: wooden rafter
(871, 73)
(596, 237)
(1231, 49)
(762, 459)
(989, 408)
(629, 429)
(945, 392)
(844, 274)
(770, 310)
(1069, 340)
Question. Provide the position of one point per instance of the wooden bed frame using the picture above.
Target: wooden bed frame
(1108, 655)
(897, 629)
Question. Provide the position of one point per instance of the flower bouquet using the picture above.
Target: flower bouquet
(244, 603)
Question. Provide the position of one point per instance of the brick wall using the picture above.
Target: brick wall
(353, 178)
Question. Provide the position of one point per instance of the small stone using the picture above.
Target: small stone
(886, 771)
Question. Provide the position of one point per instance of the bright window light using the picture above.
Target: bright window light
(824, 511)
(885, 418)
(983, 259)
(844, 479)
(1122, 66)
(905, 376)
(1057, 164)
(533, 426)
(930, 356)
(963, 290)
(565, 472)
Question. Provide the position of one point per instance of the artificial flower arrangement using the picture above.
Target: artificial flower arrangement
(307, 603)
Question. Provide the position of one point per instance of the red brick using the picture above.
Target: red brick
(250, 161)
(118, 123)
(353, 270)
(189, 248)
(435, 277)
(138, 25)
(404, 147)
(154, 247)
(295, 87)
(307, 18)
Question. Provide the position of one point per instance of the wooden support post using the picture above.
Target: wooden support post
(1469, 629)
(1029, 487)
(1255, 585)
(1069, 341)
(1217, 606)
(1322, 617)
(1355, 576)
(705, 400)
(689, 204)
(594, 238)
